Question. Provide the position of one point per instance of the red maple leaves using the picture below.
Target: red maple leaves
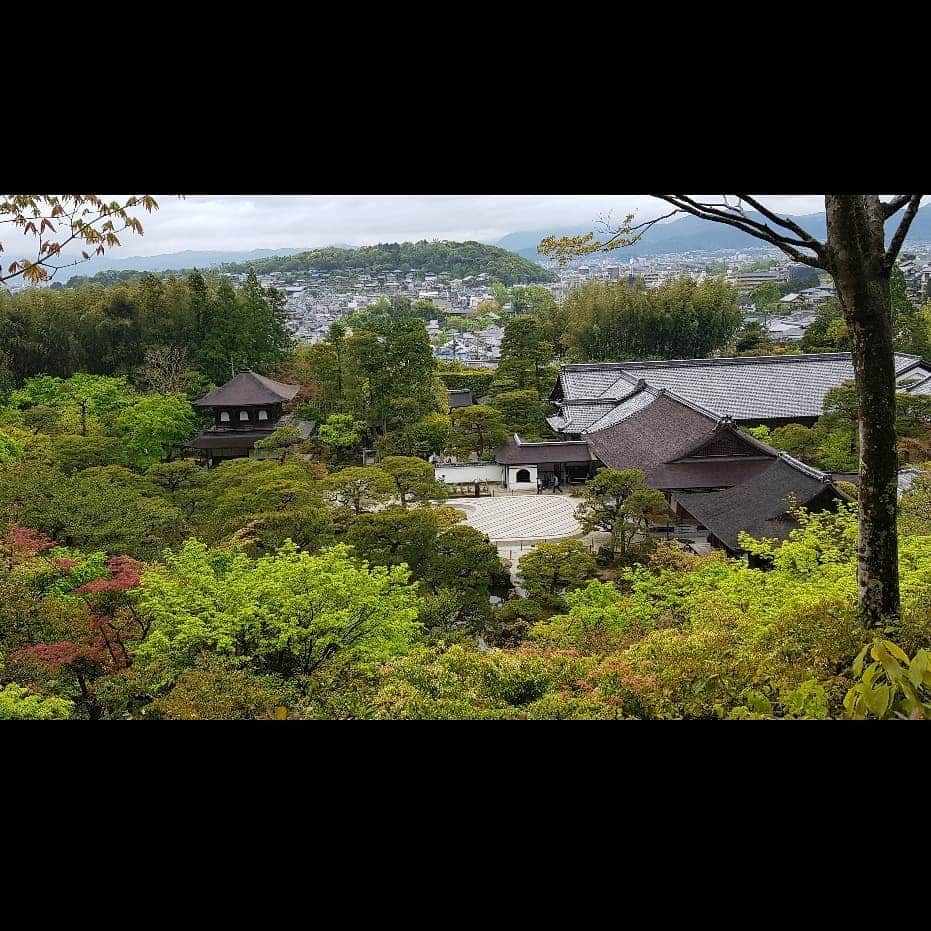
(125, 574)
(54, 655)
(110, 624)
(21, 543)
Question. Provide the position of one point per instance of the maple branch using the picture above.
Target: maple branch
(76, 231)
(79, 227)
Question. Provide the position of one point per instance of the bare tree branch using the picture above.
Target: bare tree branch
(753, 227)
(896, 244)
(894, 205)
(784, 222)
(745, 225)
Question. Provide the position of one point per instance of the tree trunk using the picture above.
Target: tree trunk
(856, 246)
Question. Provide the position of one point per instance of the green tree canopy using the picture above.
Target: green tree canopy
(414, 479)
(10, 449)
(79, 403)
(170, 334)
(553, 568)
(19, 704)
(456, 259)
(523, 413)
(617, 501)
(341, 432)
(525, 358)
(477, 428)
(395, 536)
(154, 425)
(463, 568)
(677, 320)
(105, 508)
(358, 488)
(261, 500)
(287, 613)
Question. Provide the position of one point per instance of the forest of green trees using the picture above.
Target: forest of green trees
(108, 330)
(677, 320)
(137, 584)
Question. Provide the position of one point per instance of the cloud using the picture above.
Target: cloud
(270, 221)
(244, 222)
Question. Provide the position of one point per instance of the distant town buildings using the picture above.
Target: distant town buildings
(315, 300)
(462, 329)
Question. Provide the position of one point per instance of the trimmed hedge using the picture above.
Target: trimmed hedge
(478, 381)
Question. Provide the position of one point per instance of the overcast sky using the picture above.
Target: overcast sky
(243, 222)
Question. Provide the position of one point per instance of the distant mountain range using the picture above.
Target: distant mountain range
(686, 234)
(690, 234)
(167, 262)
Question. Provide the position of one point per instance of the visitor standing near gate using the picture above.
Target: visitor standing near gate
(539, 485)
(556, 488)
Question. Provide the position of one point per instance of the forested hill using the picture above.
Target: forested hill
(455, 259)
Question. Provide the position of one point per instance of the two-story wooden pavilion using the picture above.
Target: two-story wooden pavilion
(246, 409)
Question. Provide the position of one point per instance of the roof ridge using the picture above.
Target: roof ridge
(726, 424)
(279, 390)
(916, 384)
(723, 360)
(642, 388)
(717, 361)
(568, 401)
(635, 383)
(521, 442)
(265, 379)
(800, 466)
(705, 411)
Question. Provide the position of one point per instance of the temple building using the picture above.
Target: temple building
(684, 424)
(246, 409)
(751, 390)
(718, 478)
(523, 463)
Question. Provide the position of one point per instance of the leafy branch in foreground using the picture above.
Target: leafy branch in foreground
(57, 220)
(892, 686)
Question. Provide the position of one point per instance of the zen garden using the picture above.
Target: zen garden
(624, 517)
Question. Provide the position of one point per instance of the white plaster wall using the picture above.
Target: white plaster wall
(469, 472)
(512, 477)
